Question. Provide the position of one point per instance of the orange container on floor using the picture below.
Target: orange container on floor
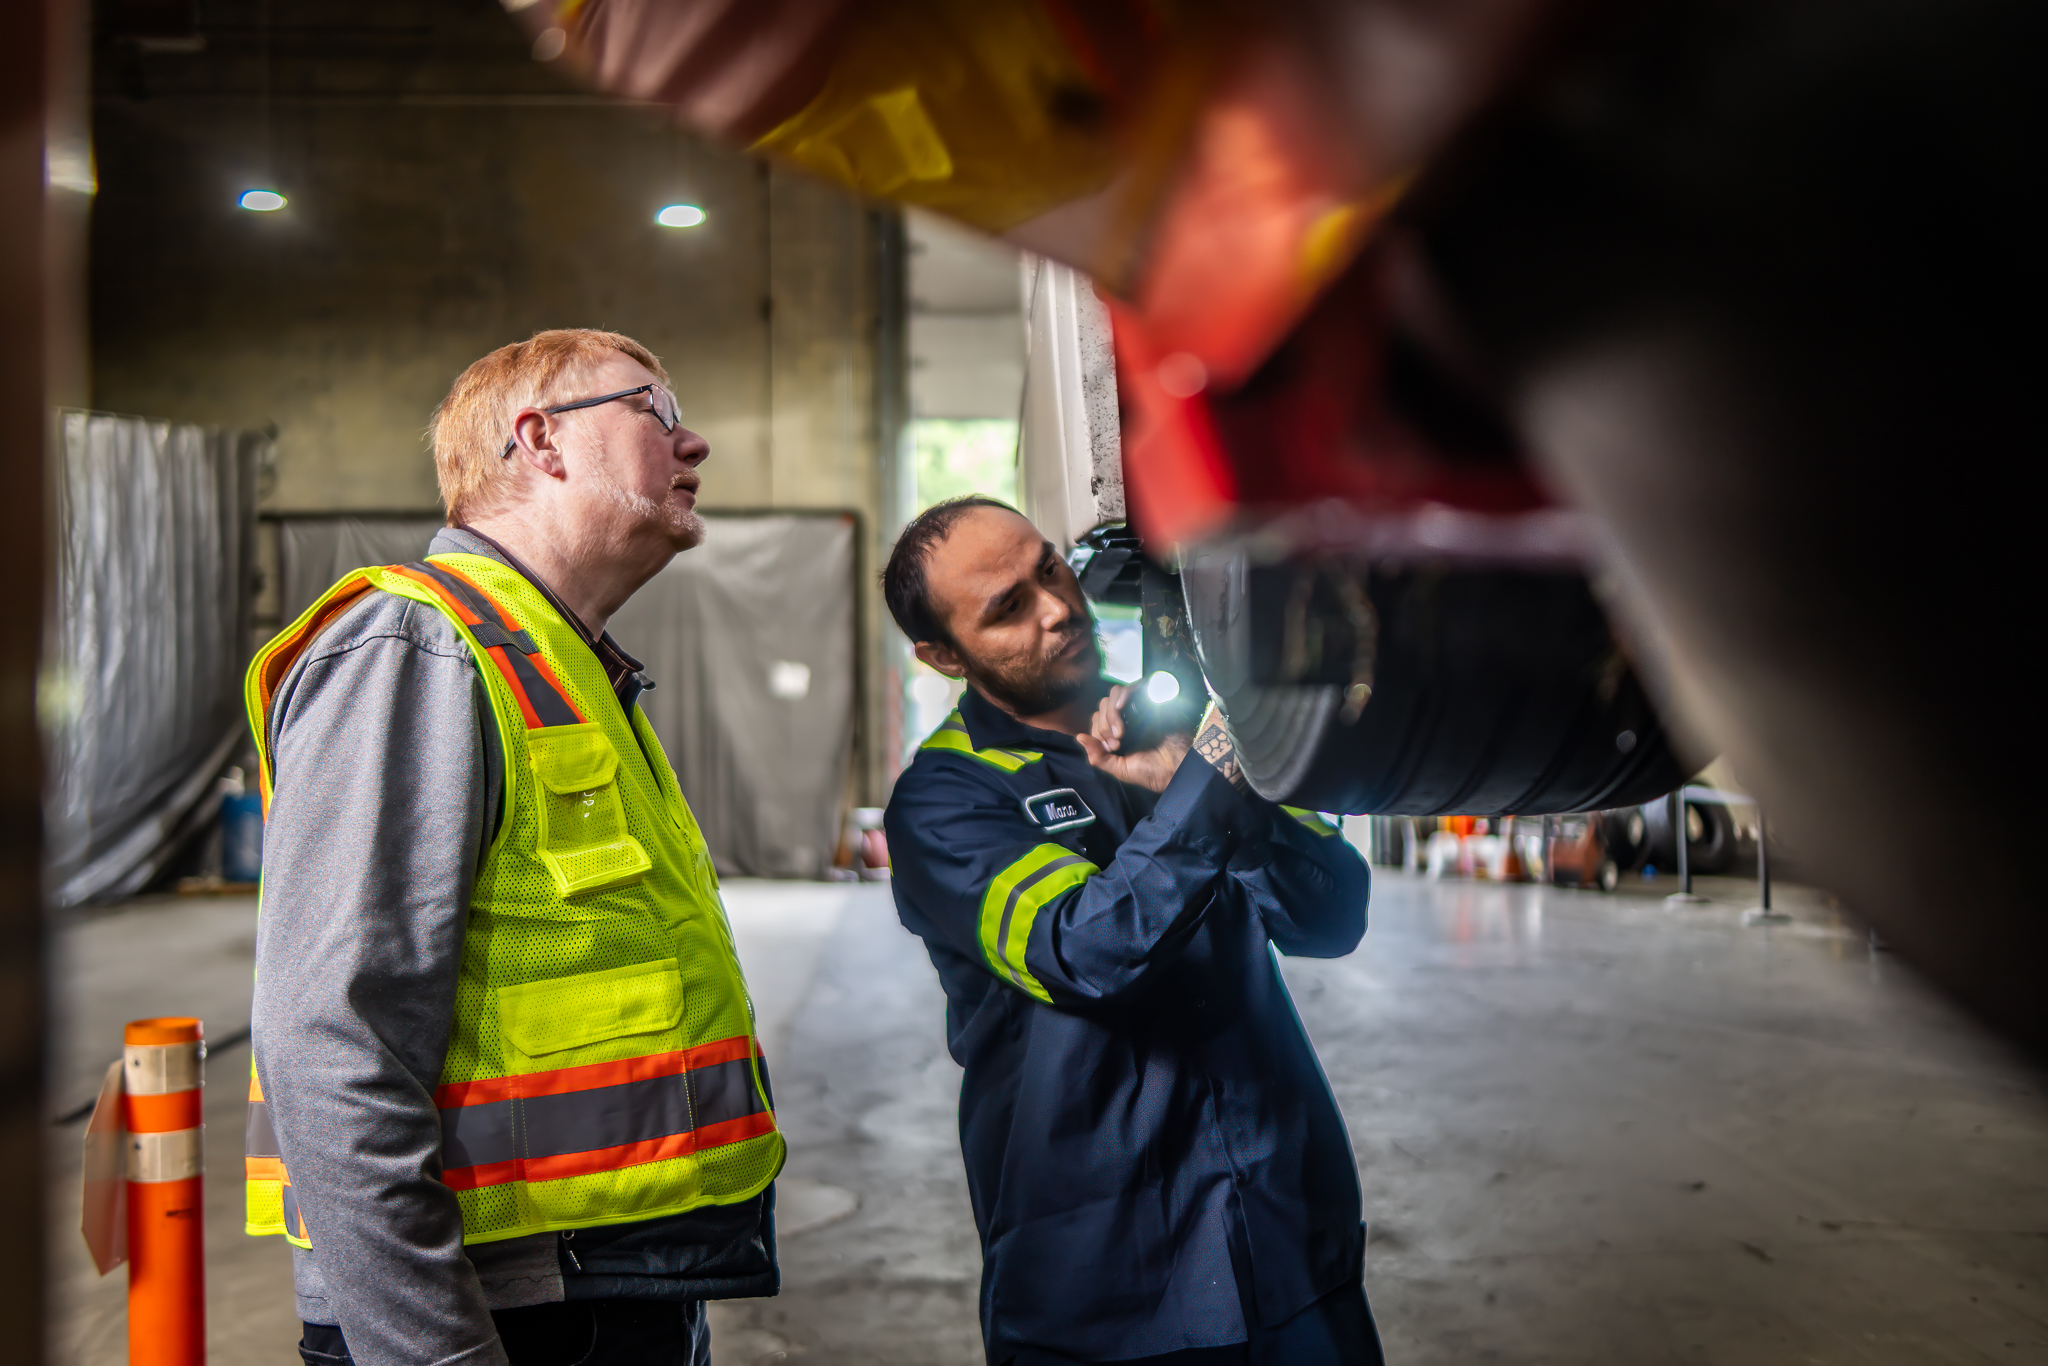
(163, 1089)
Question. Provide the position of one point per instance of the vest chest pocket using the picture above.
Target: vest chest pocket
(566, 1021)
(583, 838)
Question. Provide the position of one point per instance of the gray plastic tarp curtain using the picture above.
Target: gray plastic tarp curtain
(750, 638)
(314, 552)
(141, 687)
(750, 641)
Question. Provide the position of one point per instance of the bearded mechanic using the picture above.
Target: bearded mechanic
(506, 1102)
(1158, 1169)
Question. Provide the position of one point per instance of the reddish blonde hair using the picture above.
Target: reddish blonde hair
(474, 421)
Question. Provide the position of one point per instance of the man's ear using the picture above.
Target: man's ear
(533, 440)
(941, 657)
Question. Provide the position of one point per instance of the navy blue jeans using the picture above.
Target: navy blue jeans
(571, 1333)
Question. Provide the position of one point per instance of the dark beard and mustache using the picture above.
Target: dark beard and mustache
(1033, 688)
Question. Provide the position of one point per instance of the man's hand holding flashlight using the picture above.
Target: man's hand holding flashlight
(1153, 767)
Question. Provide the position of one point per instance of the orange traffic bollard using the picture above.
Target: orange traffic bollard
(162, 1072)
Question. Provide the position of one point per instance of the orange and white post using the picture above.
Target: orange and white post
(163, 1081)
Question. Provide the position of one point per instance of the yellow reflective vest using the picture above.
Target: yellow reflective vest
(603, 1066)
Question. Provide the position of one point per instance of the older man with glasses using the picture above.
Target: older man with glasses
(506, 1101)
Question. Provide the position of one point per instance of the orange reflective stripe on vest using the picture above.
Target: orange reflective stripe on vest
(545, 1125)
(260, 1160)
(275, 660)
(541, 697)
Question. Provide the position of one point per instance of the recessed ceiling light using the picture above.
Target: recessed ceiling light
(680, 216)
(261, 201)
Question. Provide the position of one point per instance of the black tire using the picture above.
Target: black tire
(1610, 875)
(1712, 845)
(1492, 691)
(1710, 837)
(1625, 835)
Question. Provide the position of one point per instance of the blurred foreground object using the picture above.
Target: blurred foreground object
(1730, 304)
(1215, 167)
(34, 311)
(1797, 394)
(1214, 164)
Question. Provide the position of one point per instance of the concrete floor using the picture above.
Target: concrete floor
(1591, 1129)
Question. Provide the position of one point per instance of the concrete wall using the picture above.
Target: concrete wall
(966, 322)
(417, 239)
(447, 195)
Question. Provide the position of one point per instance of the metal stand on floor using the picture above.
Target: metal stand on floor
(1684, 896)
(1763, 915)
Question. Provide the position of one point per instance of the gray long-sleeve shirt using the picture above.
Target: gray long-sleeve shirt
(388, 786)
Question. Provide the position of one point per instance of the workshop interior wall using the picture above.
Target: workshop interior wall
(418, 238)
(442, 204)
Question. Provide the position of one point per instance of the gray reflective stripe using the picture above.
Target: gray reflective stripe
(258, 1138)
(291, 1210)
(490, 635)
(1016, 895)
(602, 1117)
(723, 1091)
(548, 703)
(479, 603)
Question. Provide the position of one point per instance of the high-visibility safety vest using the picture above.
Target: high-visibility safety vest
(603, 1066)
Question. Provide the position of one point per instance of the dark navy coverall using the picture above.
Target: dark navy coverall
(1154, 1156)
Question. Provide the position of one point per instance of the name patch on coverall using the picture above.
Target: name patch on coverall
(1059, 809)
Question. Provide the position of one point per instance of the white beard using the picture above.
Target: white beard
(682, 525)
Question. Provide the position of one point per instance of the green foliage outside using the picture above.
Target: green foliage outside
(965, 455)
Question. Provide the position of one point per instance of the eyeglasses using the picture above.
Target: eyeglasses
(660, 403)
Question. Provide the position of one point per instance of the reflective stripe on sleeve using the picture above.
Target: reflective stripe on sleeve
(1311, 821)
(1012, 903)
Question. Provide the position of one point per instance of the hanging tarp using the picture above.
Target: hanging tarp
(750, 641)
(315, 552)
(141, 683)
(750, 638)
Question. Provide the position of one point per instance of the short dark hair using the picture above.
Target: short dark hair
(904, 586)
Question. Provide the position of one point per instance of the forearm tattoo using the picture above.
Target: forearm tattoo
(1214, 744)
